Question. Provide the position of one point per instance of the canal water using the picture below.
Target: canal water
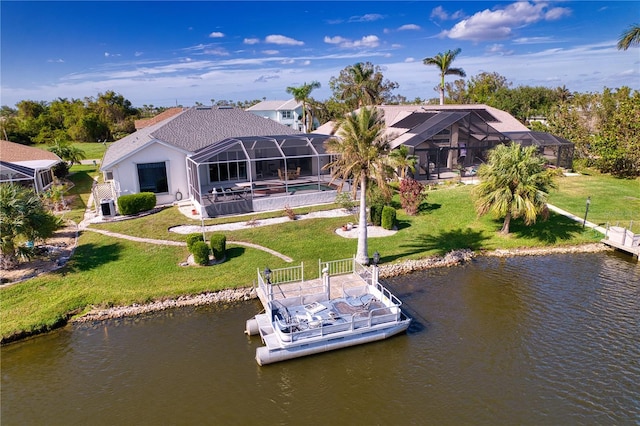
(524, 340)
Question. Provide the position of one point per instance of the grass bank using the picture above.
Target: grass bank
(106, 271)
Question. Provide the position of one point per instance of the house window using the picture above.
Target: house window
(287, 115)
(153, 177)
(232, 170)
(108, 175)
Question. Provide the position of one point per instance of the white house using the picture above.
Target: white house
(288, 112)
(248, 159)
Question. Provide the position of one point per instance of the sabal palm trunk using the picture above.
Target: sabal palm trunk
(505, 225)
(362, 254)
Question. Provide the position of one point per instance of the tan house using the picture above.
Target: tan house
(27, 165)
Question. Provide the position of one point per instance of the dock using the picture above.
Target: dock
(633, 251)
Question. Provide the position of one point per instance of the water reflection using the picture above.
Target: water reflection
(511, 341)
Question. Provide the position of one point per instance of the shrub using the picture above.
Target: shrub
(388, 217)
(192, 238)
(345, 201)
(375, 211)
(61, 170)
(218, 245)
(411, 195)
(136, 203)
(200, 251)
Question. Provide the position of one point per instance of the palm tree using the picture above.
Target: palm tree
(443, 61)
(362, 148)
(401, 159)
(23, 217)
(514, 183)
(301, 94)
(67, 152)
(363, 87)
(630, 37)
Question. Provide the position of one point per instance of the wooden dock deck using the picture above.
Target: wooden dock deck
(633, 251)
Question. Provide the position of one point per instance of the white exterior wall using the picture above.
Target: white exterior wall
(126, 172)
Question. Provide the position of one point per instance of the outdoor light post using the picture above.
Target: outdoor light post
(375, 273)
(586, 212)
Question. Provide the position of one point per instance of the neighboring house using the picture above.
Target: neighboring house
(449, 137)
(27, 165)
(146, 122)
(288, 112)
(246, 160)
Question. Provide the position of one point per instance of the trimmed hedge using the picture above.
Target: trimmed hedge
(136, 203)
(375, 211)
(191, 239)
(218, 245)
(200, 251)
(388, 217)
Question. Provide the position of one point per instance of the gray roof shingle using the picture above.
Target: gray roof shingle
(194, 129)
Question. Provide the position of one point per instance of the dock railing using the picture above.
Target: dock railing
(337, 267)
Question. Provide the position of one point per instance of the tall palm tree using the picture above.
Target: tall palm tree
(301, 94)
(361, 147)
(363, 87)
(401, 159)
(630, 37)
(514, 183)
(443, 61)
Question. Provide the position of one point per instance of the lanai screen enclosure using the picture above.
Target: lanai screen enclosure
(257, 173)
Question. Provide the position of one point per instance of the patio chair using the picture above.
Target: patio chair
(280, 175)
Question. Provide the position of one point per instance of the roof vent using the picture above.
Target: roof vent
(225, 107)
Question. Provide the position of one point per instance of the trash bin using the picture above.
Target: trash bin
(107, 207)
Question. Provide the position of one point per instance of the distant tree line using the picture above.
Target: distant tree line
(603, 126)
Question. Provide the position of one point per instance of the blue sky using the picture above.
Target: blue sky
(167, 53)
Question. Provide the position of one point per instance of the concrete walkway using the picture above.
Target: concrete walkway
(90, 215)
(587, 224)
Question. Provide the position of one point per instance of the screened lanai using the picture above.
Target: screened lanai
(245, 174)
(449, 140)
(557, 151)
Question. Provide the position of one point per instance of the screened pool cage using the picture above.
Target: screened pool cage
(557, 151)
(247, 174)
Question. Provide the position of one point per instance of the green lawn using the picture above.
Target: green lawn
(92, 150)
(613, 200)
(105, 271)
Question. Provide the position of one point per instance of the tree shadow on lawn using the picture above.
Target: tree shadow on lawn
(550, 231)
(428, 207)
(443, 243)
(90, 256)
(234, 252)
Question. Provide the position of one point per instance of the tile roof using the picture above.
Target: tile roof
(12, 152)
(195, 128)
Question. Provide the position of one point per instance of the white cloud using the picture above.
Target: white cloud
(138, 54)
(219, 51)
(216, 34)
(499, 24)
(111, 55)
(283, 40)
(533, 40)
(270, 52)
(57, 61)
(409, 27)
(443, 15)
(369, 17)
(498, 49)
(410, 59)
(287, 61)
(307, 62)
(366, 42)
(265, 78)
(251, 41)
